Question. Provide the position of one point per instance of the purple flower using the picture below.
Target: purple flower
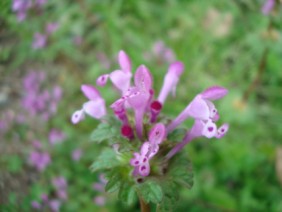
(51, 28)
(171, 80)
(54, 205)
(76, 154)
(39, 160)
(39, 41)
(40, 3)
(59, 182)
(268, 7)
(201, 107)
(56, 136)
(120, 78)
(141, 160)
(21, 7)
(161, 53)
(35, 205)
(139, 98)
(99, 200)
(95, 107)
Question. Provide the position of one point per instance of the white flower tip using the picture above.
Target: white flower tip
(77, 116)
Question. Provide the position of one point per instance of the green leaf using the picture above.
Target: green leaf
(114, 183)
(151, 191)
(103, 132)
(127, 193)
(170, 196)
(180, 170)
(106, 160)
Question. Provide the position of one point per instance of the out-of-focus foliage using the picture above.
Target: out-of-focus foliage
(229, 43)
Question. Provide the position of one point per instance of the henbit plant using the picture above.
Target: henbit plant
(140, 157)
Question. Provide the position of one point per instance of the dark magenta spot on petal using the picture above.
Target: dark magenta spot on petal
(136, 162)
(144, 160)
(222, 130)
(210, 129)
(156, 105)
(143, 168)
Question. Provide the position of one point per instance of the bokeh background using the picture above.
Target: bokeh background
(48, 48)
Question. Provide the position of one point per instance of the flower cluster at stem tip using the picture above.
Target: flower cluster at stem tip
(140, 99)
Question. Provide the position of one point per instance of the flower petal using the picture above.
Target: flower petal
(209, 130)
(214, 93)
(90, 92)
(102, 80)
(198, 109)
(77, 116)
(96, 108)
(222, 130)
(144, 169)
(157, 134)
(120, 80)
(124, 61)
(143, 78)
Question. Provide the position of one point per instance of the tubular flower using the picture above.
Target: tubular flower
(95, 107)
(120, 78)
(138, 112)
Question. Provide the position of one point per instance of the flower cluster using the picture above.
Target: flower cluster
(139, 98)
(21, 7)
(161, 53)
(37, 100)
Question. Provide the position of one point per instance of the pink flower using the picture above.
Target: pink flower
(150, 148)
(76, 154)
(201, 107)
(120, 78)
(171, 80)
(51, 28)
(56, 136)
(268, 7)
(95, 107)
(39, 41)
(40, 160)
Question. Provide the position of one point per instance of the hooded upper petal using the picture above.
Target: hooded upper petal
(198, 109)
(170, 81)
(121, 80)
(96, 108)
(214, 93)
(143, 78)
(124, 61)
(90, 92)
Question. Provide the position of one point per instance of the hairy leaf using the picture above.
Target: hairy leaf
(151, 191)
(106, 160)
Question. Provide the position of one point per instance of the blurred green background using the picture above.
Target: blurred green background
(228, 43)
